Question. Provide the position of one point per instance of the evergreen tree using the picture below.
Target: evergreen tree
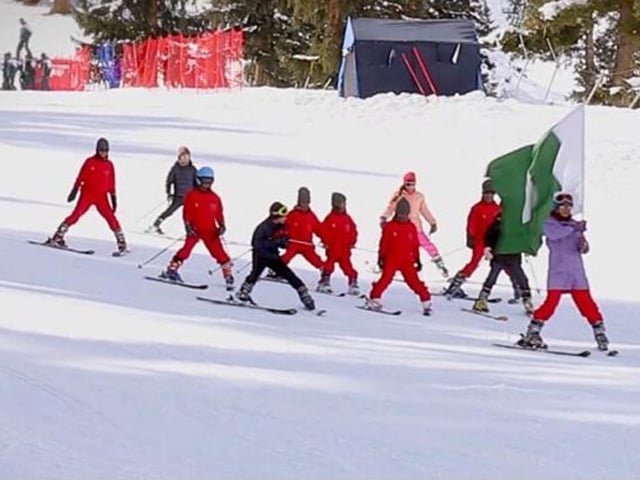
(138, 19)
(601, 35)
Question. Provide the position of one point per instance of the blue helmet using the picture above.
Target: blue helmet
(204, 172)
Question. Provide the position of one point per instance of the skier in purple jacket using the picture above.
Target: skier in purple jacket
(566, 274)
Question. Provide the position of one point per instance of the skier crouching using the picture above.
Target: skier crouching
(268, 237)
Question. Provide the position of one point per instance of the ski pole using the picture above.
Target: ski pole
(452, 252)
(146, 262)
(214, 270)
(149, 212)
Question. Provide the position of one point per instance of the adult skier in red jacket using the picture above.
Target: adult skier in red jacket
(203, 216)
(481, 215)
(97, 186)
(399, 251)
(339, 234)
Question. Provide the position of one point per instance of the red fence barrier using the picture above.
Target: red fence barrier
(212, 60)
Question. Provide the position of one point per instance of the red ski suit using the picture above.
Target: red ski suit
(480, 217)
(398, 251)
(95, 180)
(339, 234)
(301, 226)
(204, 214)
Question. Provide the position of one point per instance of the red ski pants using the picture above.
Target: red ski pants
(307, 251)
(410, 275)
(582, 298)
(102, 205)
(211, 241)
(343, 259)
(476, 256)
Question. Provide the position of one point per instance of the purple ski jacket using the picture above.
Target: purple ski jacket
(565, 239)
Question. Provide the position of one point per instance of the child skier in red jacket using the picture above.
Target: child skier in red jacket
(301, 224)
(97, 185)
(399, 251)
(339, 234)
(204, 220)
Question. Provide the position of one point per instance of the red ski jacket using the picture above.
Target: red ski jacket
(302, 225)
(203, 211)
(96, 177)
(480, 217)
(399, 244)
(339, 232)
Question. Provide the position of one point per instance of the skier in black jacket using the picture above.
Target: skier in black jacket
(511, 263)
(269, 236)
(182, 177)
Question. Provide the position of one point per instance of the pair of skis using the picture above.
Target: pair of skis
(582, 353)
(48, 243)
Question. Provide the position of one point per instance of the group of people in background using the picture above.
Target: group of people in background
(402, 236)
(32, 73)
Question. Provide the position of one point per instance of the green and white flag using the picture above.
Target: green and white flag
(527, 178)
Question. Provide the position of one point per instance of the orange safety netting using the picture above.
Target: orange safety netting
(212, 60)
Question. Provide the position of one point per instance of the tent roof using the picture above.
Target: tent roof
(449, 31)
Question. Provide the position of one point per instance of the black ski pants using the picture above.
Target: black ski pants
(512, 264)
(279, 268)
(175, 204)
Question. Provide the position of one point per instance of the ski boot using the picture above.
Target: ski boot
(324, 285)
(228, 276)
(601, 337)
(372, 304)
(454, 290)
(440, 264)
(481, 304)
(306, 299)
(58, 238)
(532, 338)
(426, 308)
(171, 273)
(244, 294)
(155, 228)
(353, 288)
(120, 242)
(517, 296)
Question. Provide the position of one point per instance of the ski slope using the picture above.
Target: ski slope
(106, 375)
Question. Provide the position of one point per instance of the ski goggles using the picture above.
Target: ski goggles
(563, 199)
(280, 212)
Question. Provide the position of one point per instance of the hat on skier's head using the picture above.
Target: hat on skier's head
(403, 207)
(338, 200)
(182, 149)
(304, 196)
(102, 144)
(487, 186)
(409, 177)
(562, 198)
(278, 209)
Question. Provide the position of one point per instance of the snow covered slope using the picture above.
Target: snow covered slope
(106, 375)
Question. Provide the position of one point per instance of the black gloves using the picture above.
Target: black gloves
(72, 194)
(471, 242)
(114, 202)
(221, 229)
(418, 265)
(380, 262)
(282, 241)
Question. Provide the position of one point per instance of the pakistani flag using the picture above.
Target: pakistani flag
(527, 178)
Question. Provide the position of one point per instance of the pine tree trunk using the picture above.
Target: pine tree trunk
(152, 15)
(590, 59)
(628, 43)
(62, 7)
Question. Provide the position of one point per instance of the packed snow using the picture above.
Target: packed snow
(105, 375)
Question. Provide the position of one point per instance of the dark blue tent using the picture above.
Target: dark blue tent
(439, 57)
